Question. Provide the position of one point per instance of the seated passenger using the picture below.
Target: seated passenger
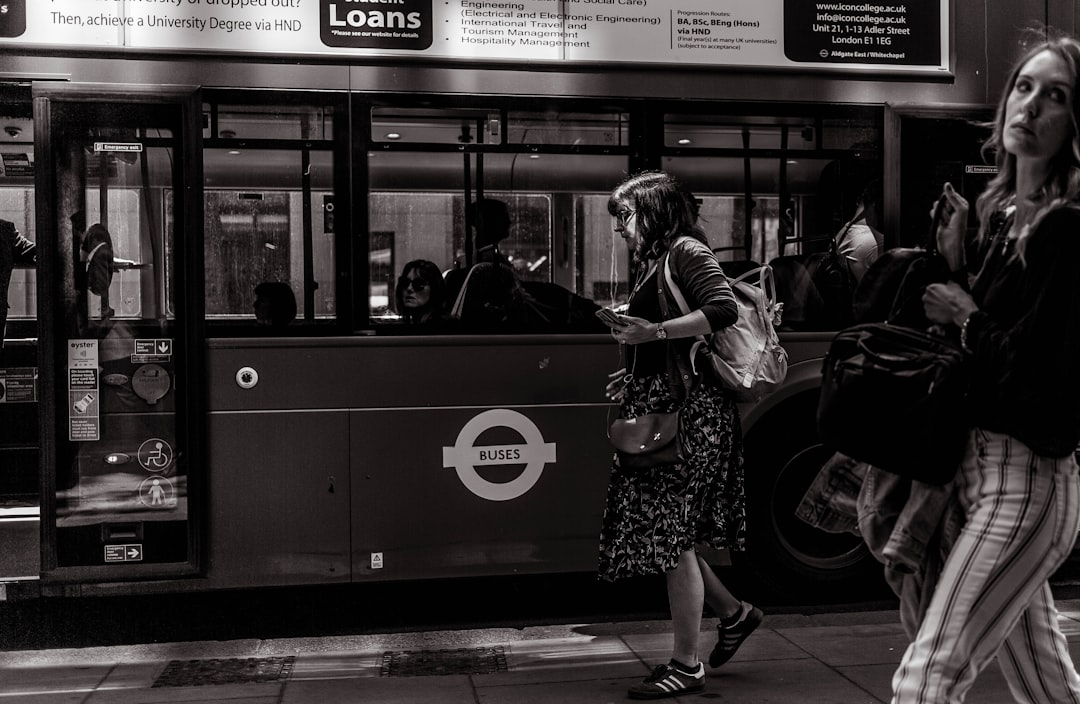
(420, 295)
(492, 300)
(491, 225)
(275, 304)
(860, 241)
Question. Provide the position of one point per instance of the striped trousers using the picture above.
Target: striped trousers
(993, 598)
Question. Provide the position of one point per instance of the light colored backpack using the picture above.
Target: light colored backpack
(746, 356)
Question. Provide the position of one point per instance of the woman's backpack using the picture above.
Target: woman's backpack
(746, 356)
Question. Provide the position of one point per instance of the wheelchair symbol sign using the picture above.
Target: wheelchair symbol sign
(155, 455)
(465, 457)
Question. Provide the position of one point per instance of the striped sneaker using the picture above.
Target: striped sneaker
(669, 681)
(731, 637)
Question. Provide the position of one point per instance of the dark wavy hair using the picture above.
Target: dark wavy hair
(665, 211)
(1063, 180)
(430, 273)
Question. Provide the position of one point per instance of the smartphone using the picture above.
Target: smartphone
(611, 317)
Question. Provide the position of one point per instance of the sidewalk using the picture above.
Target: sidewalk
(843, 658)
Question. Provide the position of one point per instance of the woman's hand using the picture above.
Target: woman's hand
(951, 227)
(948, 303)
(634, 331)
(616, 385)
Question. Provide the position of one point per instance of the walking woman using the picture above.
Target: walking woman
(654, 518)
(1020, 322)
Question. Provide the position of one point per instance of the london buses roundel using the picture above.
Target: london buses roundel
(465, 456)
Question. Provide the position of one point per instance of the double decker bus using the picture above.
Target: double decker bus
(157, 438)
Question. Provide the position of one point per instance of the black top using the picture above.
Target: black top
(648, 358)
(1025, 338)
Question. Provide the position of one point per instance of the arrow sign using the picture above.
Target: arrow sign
(123, 553)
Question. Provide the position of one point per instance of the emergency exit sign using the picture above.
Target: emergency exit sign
(148, 350)
(123, 553)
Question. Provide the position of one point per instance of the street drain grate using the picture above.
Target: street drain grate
(462, 661)
(196, 673)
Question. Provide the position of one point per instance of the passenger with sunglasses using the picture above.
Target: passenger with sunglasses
(420, 294)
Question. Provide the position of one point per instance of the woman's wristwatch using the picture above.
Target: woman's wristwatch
(661, 333)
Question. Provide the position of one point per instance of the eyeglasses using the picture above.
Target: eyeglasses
(624, 215)
(416, 284)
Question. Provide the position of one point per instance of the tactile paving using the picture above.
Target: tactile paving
(461, 661)
(196, 673)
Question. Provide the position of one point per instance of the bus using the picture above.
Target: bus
(158, 438)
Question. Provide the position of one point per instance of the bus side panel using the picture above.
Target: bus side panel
(468, 492)
(279, 498)
(359, 372)
(392, 429)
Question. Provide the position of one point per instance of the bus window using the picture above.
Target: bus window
(19, 475)
(124, 297)
(269, 213)
(405, 125)
(554, 233)
(275, 121)
(17, 207)
(573, 128)
(724, 214)
(777, 191)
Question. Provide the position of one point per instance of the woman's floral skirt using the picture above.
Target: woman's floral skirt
(654, 515)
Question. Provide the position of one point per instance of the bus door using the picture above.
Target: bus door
(118, 199)
(936, 144)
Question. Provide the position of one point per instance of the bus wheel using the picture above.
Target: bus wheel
(796, 562)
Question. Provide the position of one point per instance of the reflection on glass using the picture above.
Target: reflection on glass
(568, 128)
(258, 230)
(269, 122)
(435, 126)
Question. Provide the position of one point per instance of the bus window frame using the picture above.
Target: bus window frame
(340, 323)
(364, 144)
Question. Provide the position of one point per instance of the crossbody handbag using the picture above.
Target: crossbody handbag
(649, 440)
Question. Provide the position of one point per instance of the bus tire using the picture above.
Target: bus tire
(792, 560)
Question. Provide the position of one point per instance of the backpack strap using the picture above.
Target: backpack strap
(684, 307)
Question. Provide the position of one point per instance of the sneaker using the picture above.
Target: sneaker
(731, 637)
(669, 681)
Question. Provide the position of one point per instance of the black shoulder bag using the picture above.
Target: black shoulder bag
(893, 396)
